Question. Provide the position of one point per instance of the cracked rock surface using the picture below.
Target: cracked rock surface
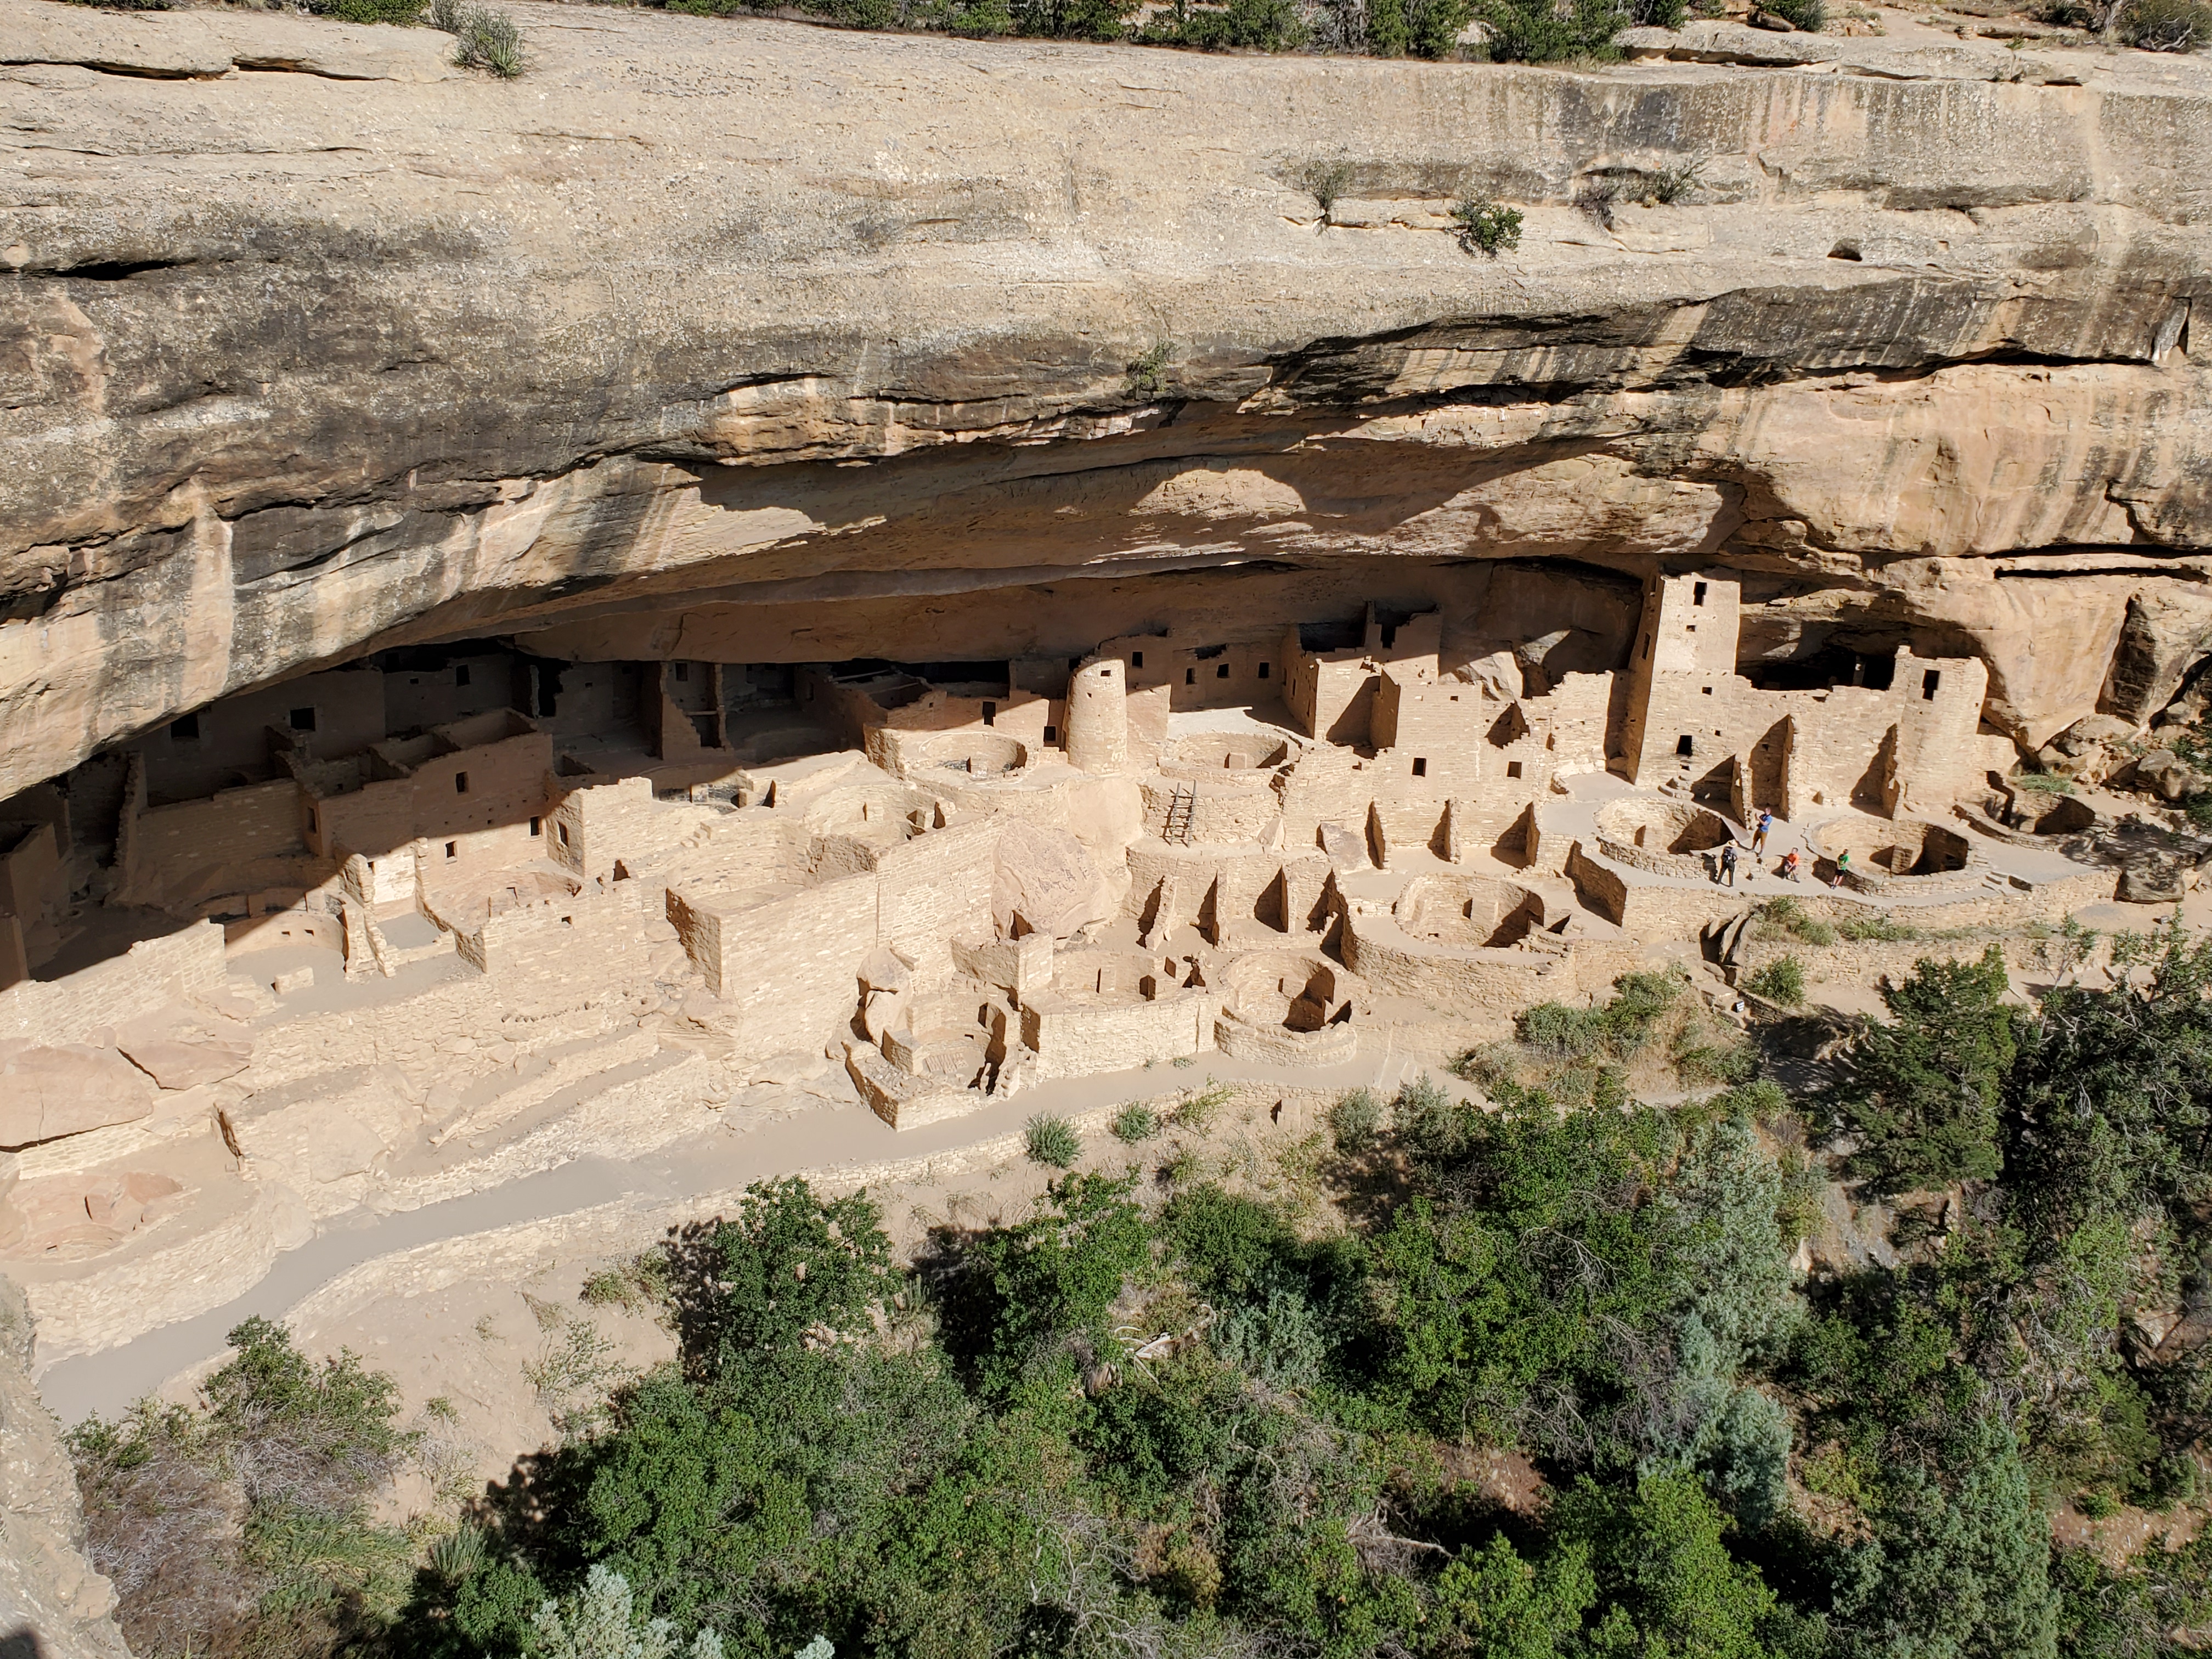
(798, 341)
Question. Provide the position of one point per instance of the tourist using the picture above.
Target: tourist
(1843, 866)
(1759, 836)
(1727, 864)
(1789, 872)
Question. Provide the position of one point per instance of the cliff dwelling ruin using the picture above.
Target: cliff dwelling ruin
(417, 924)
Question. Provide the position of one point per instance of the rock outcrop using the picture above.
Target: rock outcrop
(52, 1604)
(758, 342)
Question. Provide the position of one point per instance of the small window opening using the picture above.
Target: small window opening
(185, 729)
(303, 720)
(314, 825)
(1684, 746)
(1136, 659)
(683, 670)
(1420, 768)
(460, 783)
(461, 675)
(561, 831)
(1929, 682)
(990, 713)
(1052, 734)
(1647, 648)
(1263, 670)
(1692, 629)
(1513, 769)
(1697, 593)
(453, 849)
(1390, 636)
(537, 826)
(1190, 676)
(1222, 672)
(1707, 690)
(1846, 250)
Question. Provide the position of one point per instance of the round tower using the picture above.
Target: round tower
(1098, 717)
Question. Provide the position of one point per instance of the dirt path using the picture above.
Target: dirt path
(605, 1197)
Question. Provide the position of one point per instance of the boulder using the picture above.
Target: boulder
(2155, 880)
(49, 1093)
(178, 1063)
(2166, 775)
(1045, 882)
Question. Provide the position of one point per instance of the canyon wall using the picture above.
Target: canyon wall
(752, 341)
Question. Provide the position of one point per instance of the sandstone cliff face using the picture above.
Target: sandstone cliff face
(808, 344)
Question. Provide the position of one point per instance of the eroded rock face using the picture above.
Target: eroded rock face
(814, 346)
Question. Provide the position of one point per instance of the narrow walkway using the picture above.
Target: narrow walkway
(672, 1180)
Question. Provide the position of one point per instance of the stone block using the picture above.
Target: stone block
(187, 1065)
(48, 1092)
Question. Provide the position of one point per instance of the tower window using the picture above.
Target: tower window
(1190, 676)
(561, 831)
(683, 670)
(460, 783)
(186, 728)
(536, 825)
(1222, 672)
(1136, 659)
(1420, 768)
(303, 720)
(1052, 734)
(1707, 690)
(990, 713)
(1263, 670)
(314, 826)
(1513, 769)
(1697, 594)
(1929, 682)
(453, 849)
(1684, 746)
(461, 675)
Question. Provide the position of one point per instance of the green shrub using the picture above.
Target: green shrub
(1242, 25)
(1810, 15)
(1147, 380)
(1672, 183)
(1325, 181)
(1486, 227)
(1355, 1120)
(1428, 1120)
(2044, 783)
(1782, 981)
(1052, 1140)
(1135, 1122)
(1538, 31)
(2165, 25)
(483, 38)
(1619, 1027)
(369, 11)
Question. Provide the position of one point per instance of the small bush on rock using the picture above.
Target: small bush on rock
(1487, 227)
(1355, 1120)
(1810, 15)
(483, 38)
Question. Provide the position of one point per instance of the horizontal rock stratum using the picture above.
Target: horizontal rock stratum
(800, 344)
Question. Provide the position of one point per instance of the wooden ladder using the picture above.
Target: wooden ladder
(1176, 825)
